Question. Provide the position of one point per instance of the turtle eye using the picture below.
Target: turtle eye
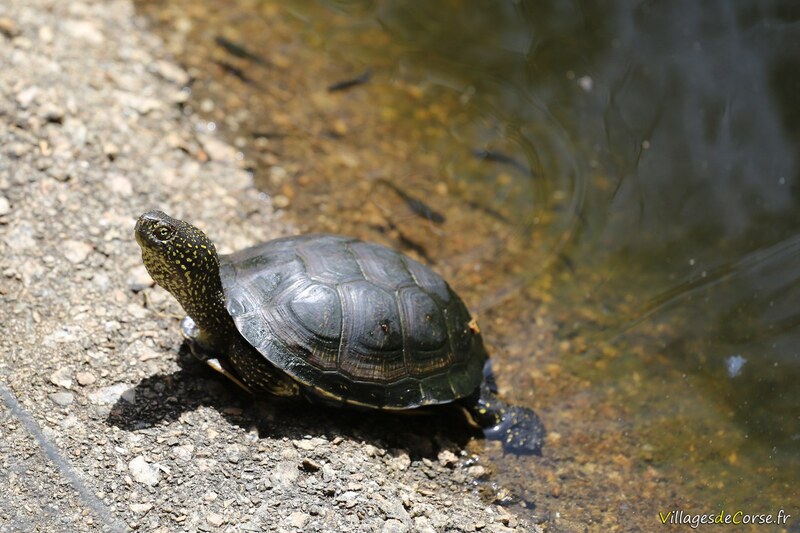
(162, 233)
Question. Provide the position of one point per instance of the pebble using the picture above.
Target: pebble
(309, 444)
(285, 473)
(62, 398)
(143, 472)
(171, 72)
(62, 378)
(26, 96)
(215, 519)
(394, 526)
(139, 279)
(8, 27)
(85, 378)
(76, 251)
(310, 465)
(5, 206)
(140, 507)
(448, 458)
(120, 185)
(184, 453)
(297, 520)
(110, 395)
(50, 112)
(83, 30)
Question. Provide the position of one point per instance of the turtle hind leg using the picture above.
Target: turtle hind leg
(518, 428)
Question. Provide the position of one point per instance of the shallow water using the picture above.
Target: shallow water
(612, 186)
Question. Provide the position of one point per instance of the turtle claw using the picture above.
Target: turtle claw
(217, 366)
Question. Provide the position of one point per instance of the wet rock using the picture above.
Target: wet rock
(143, 472)
(77, 251)
(62, 398)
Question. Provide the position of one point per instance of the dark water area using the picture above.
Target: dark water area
(629, 169)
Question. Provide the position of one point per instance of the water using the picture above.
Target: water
(612, 186)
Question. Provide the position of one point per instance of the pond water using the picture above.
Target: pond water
(612, 186)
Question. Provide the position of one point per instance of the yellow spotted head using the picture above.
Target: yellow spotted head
(181, 259)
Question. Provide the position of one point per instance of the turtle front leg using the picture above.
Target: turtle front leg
(520, 429)
(190, 332)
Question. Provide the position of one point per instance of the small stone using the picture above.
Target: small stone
(184, 453)
(46, 34)
(62, 398)
(120, 185)
(309, 444)
(76, 251)
(447, 458)
(478, 472)
(401, 462)
(110, 395)
(85, 378)
(50, 112)
(215, 519)
(297, 520)
(281, 201)
(139, 279)
(285, 473)
(62, 378)
(8, 27)
(394, 526)
(309, 465)
(143, 472)
(26, 96)
(140, 507)
(17, 150)
(218, 149)
(84, 30)
(171, 72)
(110, 150)
(5, 206)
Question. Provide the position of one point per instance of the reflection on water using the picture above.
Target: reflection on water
(630, 167)
(670, 128)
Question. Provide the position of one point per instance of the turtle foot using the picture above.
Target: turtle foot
(520, 430)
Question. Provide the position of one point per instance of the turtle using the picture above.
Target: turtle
(334, 320)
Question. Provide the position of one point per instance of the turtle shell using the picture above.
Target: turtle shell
(354, 322)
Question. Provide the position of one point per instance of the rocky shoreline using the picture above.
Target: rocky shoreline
(105, 425)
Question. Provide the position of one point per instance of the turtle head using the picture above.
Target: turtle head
(181, 259)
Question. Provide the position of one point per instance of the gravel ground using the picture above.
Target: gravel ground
(106, 424)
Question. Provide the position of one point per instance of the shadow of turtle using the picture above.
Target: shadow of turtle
(164, 398)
